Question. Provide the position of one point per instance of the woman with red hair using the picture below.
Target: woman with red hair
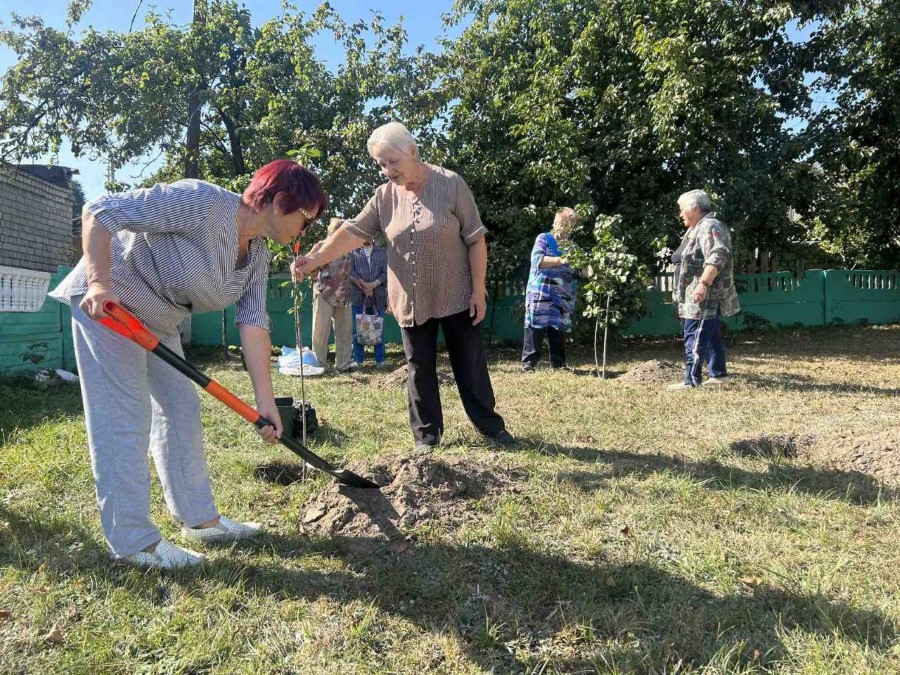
(164, 252)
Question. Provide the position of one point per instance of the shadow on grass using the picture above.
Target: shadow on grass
(514, 609)
(327, 434)
(25, 404)
(213, 356)
(864, 344)
(805, 383)
(849, 486)
(510, 608)
(49, 540)
(282, 472)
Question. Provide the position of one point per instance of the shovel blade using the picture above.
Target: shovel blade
(344, 476)
(347, 477)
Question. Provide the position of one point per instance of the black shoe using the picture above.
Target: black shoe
(527, 368)
(428, 446)
(503, 439)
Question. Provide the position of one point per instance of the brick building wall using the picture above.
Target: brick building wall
(35, 222)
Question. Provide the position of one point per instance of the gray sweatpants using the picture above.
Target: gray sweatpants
(133, 401)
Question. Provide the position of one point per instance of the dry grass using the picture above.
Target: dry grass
(644, 537)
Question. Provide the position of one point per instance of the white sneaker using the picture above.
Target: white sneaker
(166, 556)
(679, 386)
(226, 530)
(724, 379)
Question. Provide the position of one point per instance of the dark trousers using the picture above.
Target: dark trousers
(466, 351)
(534, 340)
(703, 344)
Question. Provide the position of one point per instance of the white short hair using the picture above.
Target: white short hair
(565, 215)
(334, 225)
(696, 198)
(394, 135)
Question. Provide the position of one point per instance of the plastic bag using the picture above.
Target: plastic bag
(291, 361)
(369, 327)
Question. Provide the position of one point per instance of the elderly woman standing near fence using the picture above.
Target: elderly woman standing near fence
(703, 289)
(164, 252)
(437, 262)
(550, 296)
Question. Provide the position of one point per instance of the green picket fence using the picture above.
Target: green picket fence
(818, 298)
(861, 296)
(781, 298)
(41, 339)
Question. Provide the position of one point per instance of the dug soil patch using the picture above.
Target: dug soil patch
(876, 454)
(652, 372)
(773, 446)
(396, 379)
(417, 489)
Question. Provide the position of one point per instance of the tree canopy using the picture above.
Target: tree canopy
(612, 106)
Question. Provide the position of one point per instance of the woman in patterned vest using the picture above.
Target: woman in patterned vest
(331, 306)
(703, 289)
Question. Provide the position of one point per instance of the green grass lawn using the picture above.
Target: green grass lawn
(640, 539)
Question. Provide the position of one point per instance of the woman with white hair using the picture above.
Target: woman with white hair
(550, 296)
(437, 263)
(703, 289)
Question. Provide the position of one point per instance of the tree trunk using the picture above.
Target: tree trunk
(234, 140)
(192, 142)
(495, 291)
(225, 331)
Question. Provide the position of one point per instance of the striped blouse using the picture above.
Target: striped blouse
(174, 252)
(428, 245)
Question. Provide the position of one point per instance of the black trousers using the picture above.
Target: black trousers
(534, 339)
(469, 363)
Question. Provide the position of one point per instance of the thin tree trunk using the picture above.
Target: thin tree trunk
(234, 140)
(605, 334)
(494, 293)
(225, 332)
(192, 141)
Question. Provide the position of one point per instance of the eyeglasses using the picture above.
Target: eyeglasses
(309, 219)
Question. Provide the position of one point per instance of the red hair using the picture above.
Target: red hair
(289, 185)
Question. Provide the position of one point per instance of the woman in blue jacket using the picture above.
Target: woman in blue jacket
(550, 297)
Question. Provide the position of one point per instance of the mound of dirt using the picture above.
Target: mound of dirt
(771, 446)
(416, 489)
(652, 372)
(876, 454)
(397, 379)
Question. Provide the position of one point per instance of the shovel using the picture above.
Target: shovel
(126, 324)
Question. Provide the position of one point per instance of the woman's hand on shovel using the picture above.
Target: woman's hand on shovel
(98, 293)
(269, 410)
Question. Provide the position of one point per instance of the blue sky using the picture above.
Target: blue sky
(422, 21)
